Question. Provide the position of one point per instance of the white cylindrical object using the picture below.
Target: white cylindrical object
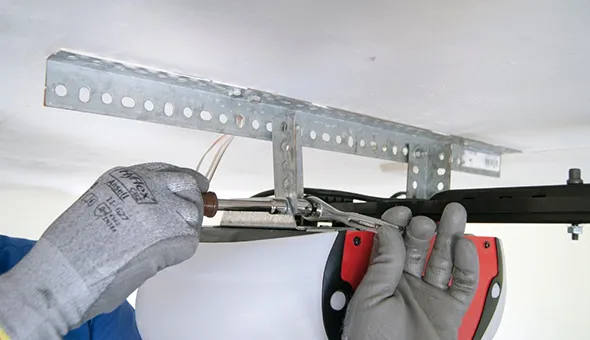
(267, 289)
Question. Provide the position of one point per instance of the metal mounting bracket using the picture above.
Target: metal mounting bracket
(429, 170)
(94, 85)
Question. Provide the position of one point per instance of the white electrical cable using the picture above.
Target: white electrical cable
(222, 143)
(217, 141)
(218, 156)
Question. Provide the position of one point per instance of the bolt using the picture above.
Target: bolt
(487, 244)
(575, 230)
(235, 93)
(575, 176)
(356, 240)
(419, 153)
(255, 99)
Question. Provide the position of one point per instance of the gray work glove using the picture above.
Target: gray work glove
(133, 222)
(394, 301)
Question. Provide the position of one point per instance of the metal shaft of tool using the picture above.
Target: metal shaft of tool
(271, 205)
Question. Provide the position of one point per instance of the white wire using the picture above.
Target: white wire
(222, 143)
(218, 157)
(209, 150)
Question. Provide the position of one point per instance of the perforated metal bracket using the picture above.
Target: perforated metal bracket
(89, 84)
(429, 170)
(287, 159)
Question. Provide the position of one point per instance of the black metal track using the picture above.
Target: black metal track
(540, 204)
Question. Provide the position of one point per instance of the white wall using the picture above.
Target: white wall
(548, 274)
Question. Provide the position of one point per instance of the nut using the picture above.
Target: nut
(574, 229)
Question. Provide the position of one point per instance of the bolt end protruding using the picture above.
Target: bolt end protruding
(575, 230)
(575, 176)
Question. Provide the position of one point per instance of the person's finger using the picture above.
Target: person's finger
(466, 273)
(451, 228)
(399, 216)
(186, 187)
(154, 166)
(191, 213)
(385, 269)
(202, 181)
(417, 239)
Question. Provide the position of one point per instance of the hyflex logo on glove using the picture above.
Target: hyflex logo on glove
(134, 185)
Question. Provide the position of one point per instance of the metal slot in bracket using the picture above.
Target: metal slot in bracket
(89, 84)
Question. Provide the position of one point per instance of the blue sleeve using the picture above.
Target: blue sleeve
(117, 325)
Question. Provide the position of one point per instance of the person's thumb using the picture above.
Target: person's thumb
(387, 262)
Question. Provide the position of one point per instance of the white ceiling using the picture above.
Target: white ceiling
(514, 73)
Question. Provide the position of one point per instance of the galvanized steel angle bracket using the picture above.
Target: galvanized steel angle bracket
(89, 84)
(429, 170)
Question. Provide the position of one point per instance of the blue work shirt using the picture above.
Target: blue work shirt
(117, 325)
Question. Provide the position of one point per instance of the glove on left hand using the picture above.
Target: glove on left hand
(133, 222)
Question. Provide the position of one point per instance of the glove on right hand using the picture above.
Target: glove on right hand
(394, 301)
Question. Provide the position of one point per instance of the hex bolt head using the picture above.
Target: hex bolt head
(235, 93)
(575, 176)
(575, 230)
(419, 153)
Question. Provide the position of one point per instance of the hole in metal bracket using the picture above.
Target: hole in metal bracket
(415, 169)
(61, 90)
(350, 141)
(187, 112)
(128, 102)
(240, 121)
(394, 150)
(362, 143)
(168, 109)
(312, 134)
(415, 185)
(338, 139)
(255, 124)
(405, 151)
(269, 126)
(440, 186)
(206, 115)
(222, 118)
(84, 94)
(441, 156)
(326, 137)
(107, 98)
(148, 105)
(441, 171)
